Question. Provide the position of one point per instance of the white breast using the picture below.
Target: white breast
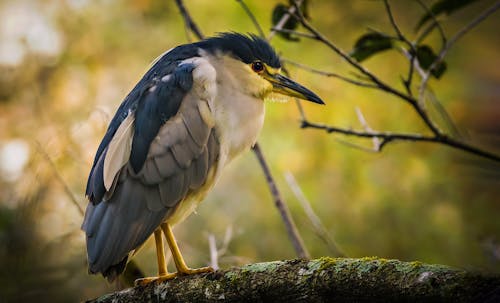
(234, 111)
(238, 113)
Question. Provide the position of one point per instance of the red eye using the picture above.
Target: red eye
(257, 66)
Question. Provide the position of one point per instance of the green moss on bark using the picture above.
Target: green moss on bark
(322, 280)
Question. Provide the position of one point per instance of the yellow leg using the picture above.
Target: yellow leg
(162, 265)
(176, 254)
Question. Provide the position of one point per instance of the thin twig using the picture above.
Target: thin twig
(319, 37)
(59, 178)
(434, 24)
(389, 137)
(252, 17)
(328, 74)
(481, 17)
(214, 255)
(408, 81)
(445, 117)
(357, 146)
(228, 236)
(367, 128)
(318, 226)
(382, 85)
(284, 19)
(416, 64)
(188, 20)
(292, 231)
(395, 25)
(292, 32)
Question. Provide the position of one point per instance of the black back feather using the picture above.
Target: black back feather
(247, 48)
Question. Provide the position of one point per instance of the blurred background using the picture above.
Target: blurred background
(65, 66)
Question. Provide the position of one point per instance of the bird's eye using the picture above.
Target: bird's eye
(257, 66)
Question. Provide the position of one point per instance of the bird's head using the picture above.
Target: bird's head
(253, 61)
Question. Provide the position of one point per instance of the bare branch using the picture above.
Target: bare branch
(318, 36)
(395, 25)
(252, 17)
(363, 134)
(412, 53)
(214, 255)
(378, 82)
(388, 137)
(328, 74)
(59, 178)
(445, 117)
(188, 21)
(367, 128)
(292, 32)
(318, 226)
(481, 17)
(284, 19)
(228, 236)
(292, 231)
(435, 24)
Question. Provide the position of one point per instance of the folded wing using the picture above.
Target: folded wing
(163, 150)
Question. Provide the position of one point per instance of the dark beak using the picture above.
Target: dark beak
(283, 85)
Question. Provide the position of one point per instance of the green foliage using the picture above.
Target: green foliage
(426, 58)
(413, 202)
(369, 45)
(292, 23)
(443, 7)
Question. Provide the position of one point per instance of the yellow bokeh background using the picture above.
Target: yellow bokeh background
(65, 66)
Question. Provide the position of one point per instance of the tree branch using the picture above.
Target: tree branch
(447, 46)
(328, 74)
(252, 17)
(289, 14)
(291, 228)
(322, 280)
(188, 20)
(388, 137)
(318, 227)
(437, 135)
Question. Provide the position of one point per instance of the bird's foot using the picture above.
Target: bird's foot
(159, 279)
(184, 272)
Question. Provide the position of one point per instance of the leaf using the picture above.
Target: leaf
(370, 44)
(291, 24)
(442, 6)
(426, 57)
(304, 8)
(118, 150)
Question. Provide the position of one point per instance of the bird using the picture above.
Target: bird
(196, 108)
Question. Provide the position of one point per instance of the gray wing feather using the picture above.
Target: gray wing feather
(199, 169)
(178, 162)
(195, 126)
(151, 173)
(153, 198)
(166, 164)
(125, 225)
(172, 190)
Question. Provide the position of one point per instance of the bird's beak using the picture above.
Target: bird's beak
(283, 85)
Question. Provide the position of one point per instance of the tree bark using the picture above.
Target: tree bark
(322, 280)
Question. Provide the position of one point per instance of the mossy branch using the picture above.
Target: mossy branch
(322, 280)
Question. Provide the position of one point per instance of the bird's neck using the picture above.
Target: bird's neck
(238, 109)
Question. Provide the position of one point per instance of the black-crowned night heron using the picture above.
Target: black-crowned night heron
(197, 107)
